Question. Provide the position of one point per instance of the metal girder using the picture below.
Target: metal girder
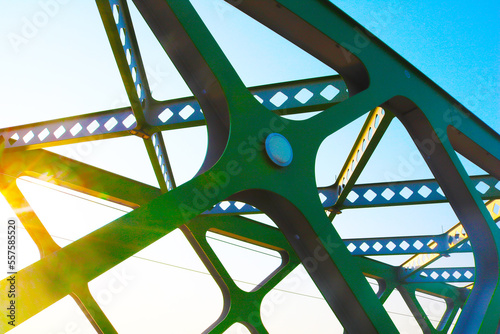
(95, 126)
(375, 77)
(425, 244)
(71, 174)
(164, 115)
(236, 301)
(413, 192)
(118, 25)
(235, 227)
(453, 238)
(452, 274)
(378, 194)
(370, 135)
(409, 295)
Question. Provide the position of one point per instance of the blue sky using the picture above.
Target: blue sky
(64, 67)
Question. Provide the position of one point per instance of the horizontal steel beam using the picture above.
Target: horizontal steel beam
(378, 194)
(425, 244)
(284, 98)
(448, 275)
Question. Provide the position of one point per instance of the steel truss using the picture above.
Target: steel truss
(373, 78)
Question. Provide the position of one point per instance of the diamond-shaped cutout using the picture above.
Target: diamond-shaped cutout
(404, 245)
(434, 275)
(245, 262)
(93, 126)
(134, 74)
(122, 36)
(445, 275)
(497, 185)
(129, 121)
(186, 112)
(329, 92)
(258, 98)
(370, 195)
(13, 139)
(139, 90)
(165, 115)
(440, 191)
(76, 129)
(390, 246)
(116, 13)
(322, 197)
(424, 274)
(352, 197)
(424, 191)
(496, 209)
(304, 95)
(128, 55)
(468, 274)
(378, 246)
(457, 275)
(59, 132)
(224, 205)
(351, 247)
(239, 205)
(482, 187)
(387, 194)
(417, 244)
(42, 135)
(27, 137)
(110, 124)
(278, 99)
(364, 247)
(406, 192)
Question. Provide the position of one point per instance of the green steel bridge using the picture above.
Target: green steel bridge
(259, 162)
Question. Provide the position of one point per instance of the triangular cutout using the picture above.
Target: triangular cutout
(247, 264)
(334, 150)
(470, 167)
(434, 307)
(373, 284)
(237, 328)
(247, 42)
(296, 305)
(165, 82)
(186, 151)
(396, 158)
(400, 314)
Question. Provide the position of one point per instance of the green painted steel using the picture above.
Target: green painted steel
(237, 168)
